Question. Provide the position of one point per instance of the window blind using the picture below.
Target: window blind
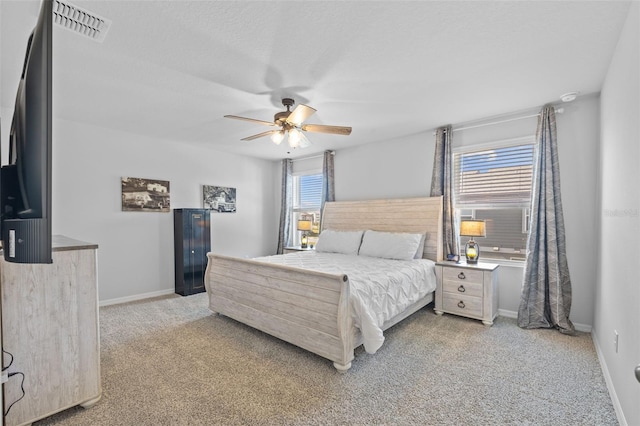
(503, 228)
(500, 177)
(309, 193)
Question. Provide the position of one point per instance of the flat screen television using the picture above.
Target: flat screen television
(25, 182)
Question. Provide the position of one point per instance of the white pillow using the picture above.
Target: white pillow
(345, 242)
(420, 250)
(390, 245)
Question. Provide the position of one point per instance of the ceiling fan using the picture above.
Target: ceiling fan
(291, 124)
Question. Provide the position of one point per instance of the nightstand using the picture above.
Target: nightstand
(467, 290)
(294, 249)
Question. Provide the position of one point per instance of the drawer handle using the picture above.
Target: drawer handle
(461, 289)
(461, 304)
(461, 276)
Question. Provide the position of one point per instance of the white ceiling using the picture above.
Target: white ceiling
(390, 69)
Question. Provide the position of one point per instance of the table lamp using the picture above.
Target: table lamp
(472, 228)
(304, 225)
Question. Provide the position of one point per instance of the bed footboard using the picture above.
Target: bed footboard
(305, 308)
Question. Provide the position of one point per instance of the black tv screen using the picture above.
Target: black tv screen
(25, 182)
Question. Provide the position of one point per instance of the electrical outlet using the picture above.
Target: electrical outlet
(615, 340)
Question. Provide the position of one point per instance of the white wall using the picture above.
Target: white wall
(402, 168)
(617, 304)
(393, 169)
(136, 248)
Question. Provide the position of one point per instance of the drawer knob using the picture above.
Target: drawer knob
(461, 276)
(461, 304)
(461, 289)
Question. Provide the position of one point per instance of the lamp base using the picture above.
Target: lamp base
(472, 252)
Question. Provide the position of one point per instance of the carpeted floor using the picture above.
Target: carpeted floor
(169, 361)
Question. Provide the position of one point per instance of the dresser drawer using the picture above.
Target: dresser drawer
(462, 275)
(462, 304)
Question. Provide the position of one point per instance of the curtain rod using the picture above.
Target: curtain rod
(491, 123)
(311, 157)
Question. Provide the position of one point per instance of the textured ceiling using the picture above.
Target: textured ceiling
(390, 69)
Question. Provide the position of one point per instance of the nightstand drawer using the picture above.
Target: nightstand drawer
(462, 304)
(462, 275)
(463, 288)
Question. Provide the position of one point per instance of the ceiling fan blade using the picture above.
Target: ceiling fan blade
(300, 114)
(320, 128)
(260, 135)
(253, 120)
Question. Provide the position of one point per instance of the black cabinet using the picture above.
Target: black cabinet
(192, 239)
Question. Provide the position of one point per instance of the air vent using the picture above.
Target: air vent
(80, 21)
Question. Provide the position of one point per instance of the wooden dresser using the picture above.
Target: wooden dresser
(50, 326)
(467, 290)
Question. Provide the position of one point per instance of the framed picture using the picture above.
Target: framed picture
(140, 195)
(219, 199)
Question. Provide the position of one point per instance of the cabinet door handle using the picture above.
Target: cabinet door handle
(461, 289)
(461, 304)
(638, 372)
(461, 276)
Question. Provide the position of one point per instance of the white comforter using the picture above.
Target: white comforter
(380, 288)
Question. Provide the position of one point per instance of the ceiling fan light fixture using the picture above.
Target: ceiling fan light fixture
(291, 124)
(294, 138)
(277, 137)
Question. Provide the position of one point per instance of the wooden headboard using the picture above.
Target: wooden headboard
(415, 215)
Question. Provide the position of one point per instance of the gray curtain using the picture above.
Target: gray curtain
(328, 180)
(286, 205)
(545, 301)
(442, 184)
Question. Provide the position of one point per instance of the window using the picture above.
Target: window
(307, 200)
(494, 184)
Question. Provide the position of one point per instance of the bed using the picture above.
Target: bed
(310, 308)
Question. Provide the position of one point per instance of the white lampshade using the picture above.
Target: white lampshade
(304, 225)
(472, 228)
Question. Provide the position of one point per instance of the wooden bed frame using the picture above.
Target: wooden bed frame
(311, 309)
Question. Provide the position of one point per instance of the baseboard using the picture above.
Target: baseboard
(135, 297)
(512, 314)
(507, 314)
(607, 378)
